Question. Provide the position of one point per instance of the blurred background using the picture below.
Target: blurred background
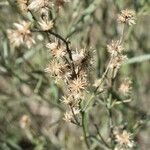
(28, 94)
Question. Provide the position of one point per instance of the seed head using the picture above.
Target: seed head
(37, 5)
(125, 86)
(23, 5)
(46, 25)
(77, 85)
(21, 35)
(70, 101)
(127, 16)
(56, 50)
(68, 116)
(124, 139)
(56, 68)
(24, 121)
(118, 61)
(115, 48)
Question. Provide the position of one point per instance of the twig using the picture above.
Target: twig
(104, 75)
(76, 120)
(101, 137)
(84, 129)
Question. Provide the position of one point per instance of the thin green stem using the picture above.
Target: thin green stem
(84, 127)
(104, 75)
(122, 34)
(101, 137)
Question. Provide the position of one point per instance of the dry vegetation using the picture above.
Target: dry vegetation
(74, 75)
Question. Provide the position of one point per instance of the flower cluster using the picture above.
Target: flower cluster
(117, 57)
(22, 35)
(71, 70)
(40, 5)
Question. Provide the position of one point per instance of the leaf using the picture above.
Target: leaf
(138, 59)
(13, 145)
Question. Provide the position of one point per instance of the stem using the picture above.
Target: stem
(110, 120)
(101, 137)
(75, 118)
(104, 75)
(84, 129)
(122, 34)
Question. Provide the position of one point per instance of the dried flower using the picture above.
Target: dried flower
(118, 61)
(23, 5)
(56, 68)
(37, 5)
(124, 140)
(125, 86)
(77, 85)
(68, 116)
(70, 101)
(127, 16)
(115, 48)
(58, 53)
(24, 121)
(56, 49)
(82, 55)
(46, 25)
(21, 35)
(76, 111)
(78, 57)
(52, 46)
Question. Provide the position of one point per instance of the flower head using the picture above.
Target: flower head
(23, 5)
(52, 46)
(127, 16)
(24, 121)
(77, 85)
(82, 57)
(56, 49)
(58, 53)
(125, 86)
(68, 116)
(118, 61)
(115, 48)
(124, 139)
(70, 101)
(21, 35)
(46, 25)
(56, 68)
(37, 5)
(78, 57)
